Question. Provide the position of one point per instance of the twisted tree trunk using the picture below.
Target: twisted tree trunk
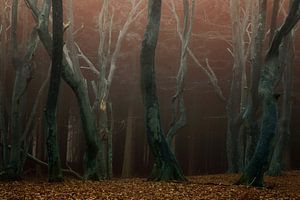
(270, 76)
(251, 123)
(283, 130)
(79, 87)
(165, 166)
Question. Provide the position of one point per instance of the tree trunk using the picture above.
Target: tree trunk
(237, 88)
(79, 87)
(283, 131)
(23, 69)
(251, 124)
(128, 146)
(165, 166)
(3, 132)
(54, 168)
(270, 76)
(178, 108)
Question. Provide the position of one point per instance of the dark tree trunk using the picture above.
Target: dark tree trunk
(78, 85)
(251, 123)
(23, 69)
(270, 76)
(17, 98)
(3, 133)
(283, 131)
(54, 168)
(165, 166)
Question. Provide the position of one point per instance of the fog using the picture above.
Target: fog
(200, 146)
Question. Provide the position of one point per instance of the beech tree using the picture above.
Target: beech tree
(102, 106)
(165, 165)
(23, 68)
(78, 85)
(238, 90)
(184, 31)
(283, 130)
(270, 76)
(250, 118)
(95, 165)
(54, 171)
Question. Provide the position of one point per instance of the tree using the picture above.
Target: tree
(54, 170)
(251, 121)
(238, 90)
(78, 85)
(178, 108)
(165, 166)
(102, 106)
(283, 130)
(4, 18)
(269, 78)
(95, 166)
(23, 68)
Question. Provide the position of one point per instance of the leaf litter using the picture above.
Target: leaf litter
(218, 186)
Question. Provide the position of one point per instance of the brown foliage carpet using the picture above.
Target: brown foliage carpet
(199, 187)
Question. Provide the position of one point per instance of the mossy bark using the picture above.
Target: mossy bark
(165, 166)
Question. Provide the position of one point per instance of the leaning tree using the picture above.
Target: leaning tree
(270, 76)
(165, 166)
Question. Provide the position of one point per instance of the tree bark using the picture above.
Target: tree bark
(23, 68)
(3, 132)
(79, 87)
(178, 108)
(283, 130)
(54, 168)
(165, 166)
(270, 76)
(238, 90)
(128, 146)
(251, 124)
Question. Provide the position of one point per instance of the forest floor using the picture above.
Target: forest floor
(198, 187)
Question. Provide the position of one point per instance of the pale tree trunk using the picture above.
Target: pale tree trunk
(78, 85)
(238, 90)
(94, 160)
(178, 108)
(103, 105)
(106, 114)
(165, 166)
(270, 76)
